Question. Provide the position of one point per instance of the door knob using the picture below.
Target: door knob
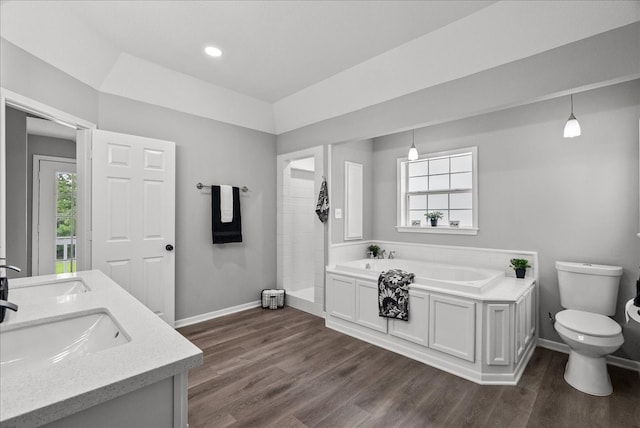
(169, 247)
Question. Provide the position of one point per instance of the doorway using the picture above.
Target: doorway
(54, 206)
(301, 235)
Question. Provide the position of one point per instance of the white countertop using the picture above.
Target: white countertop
(156, 351)
(506, 290)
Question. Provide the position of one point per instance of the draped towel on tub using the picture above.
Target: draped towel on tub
(393, 294)
(230, 231)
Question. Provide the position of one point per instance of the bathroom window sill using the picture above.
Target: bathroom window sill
(438, 230)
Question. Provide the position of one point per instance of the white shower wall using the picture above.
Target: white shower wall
(300, 234)
(299, 218)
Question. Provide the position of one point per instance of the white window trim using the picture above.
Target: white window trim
(445, 229)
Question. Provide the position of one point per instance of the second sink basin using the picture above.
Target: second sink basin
(59, 288)
(49, 342)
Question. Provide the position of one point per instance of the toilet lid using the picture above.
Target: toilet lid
(588, 323)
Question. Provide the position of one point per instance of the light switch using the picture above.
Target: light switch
(338, 212)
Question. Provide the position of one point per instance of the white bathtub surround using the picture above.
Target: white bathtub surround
(126, 384)
(487, 258)
(475, 322)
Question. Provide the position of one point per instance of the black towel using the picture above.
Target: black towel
(225, 232)
(393, 294)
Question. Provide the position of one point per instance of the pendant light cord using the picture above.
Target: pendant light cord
(571, 104)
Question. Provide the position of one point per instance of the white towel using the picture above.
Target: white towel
(226, 204)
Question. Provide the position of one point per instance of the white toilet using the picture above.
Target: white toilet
(590, 294)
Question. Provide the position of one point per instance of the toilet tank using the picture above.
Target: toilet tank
(588, 287)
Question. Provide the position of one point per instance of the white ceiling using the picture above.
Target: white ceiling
(290, 63)
(271, 49)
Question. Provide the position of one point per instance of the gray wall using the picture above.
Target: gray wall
(16, 162)
(211, 277)
(358, 152)
(568, 199)
(31, 77)
(48, 146)
(602, 58)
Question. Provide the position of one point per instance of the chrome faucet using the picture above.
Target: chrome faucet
(381, 256)
(392, 255)
(4, 293)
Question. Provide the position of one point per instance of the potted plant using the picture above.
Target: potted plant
(520, 266)
(374, 250)
(434, 216)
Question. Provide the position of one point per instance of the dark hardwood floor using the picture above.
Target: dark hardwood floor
(283, 368)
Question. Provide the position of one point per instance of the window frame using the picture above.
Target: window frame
(402, 219)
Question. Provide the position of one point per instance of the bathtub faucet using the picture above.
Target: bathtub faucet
(391, 255)
(381, 255)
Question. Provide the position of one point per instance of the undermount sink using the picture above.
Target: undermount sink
(50, 342)
(59, 288)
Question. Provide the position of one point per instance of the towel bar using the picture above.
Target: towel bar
(201, 186)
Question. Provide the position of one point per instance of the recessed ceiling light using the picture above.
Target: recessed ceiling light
(213, 51)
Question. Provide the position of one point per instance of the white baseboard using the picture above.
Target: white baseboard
(215, 314)
(611, 359)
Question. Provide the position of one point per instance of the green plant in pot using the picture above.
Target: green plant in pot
(434, 216)
(374, 250)
(520, 266)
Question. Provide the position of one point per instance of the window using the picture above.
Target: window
(445, 182)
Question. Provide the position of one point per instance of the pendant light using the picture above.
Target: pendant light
(572, 128)
(413, 152)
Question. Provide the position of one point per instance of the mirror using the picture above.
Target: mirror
(40, 173)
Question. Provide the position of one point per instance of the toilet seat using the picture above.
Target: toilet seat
(588, 323)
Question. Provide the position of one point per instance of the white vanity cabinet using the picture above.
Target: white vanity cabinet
(487, 339)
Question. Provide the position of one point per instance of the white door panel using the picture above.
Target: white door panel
(133, 216)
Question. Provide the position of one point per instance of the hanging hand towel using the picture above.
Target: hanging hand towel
(393, 294)
(225, 232)
(322, 207)
(226, 204)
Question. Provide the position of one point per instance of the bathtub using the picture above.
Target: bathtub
(462, 279)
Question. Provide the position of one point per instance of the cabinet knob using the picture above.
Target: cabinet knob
(169, 247)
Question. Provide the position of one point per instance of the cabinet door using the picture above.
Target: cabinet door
(452, 326)
(498, 334)
(341, 297)
(417, 328)
(367, 306)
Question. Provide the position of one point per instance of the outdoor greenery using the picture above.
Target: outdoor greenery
(66, 204)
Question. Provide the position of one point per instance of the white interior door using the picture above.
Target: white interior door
(54, 215)
(133, 216)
